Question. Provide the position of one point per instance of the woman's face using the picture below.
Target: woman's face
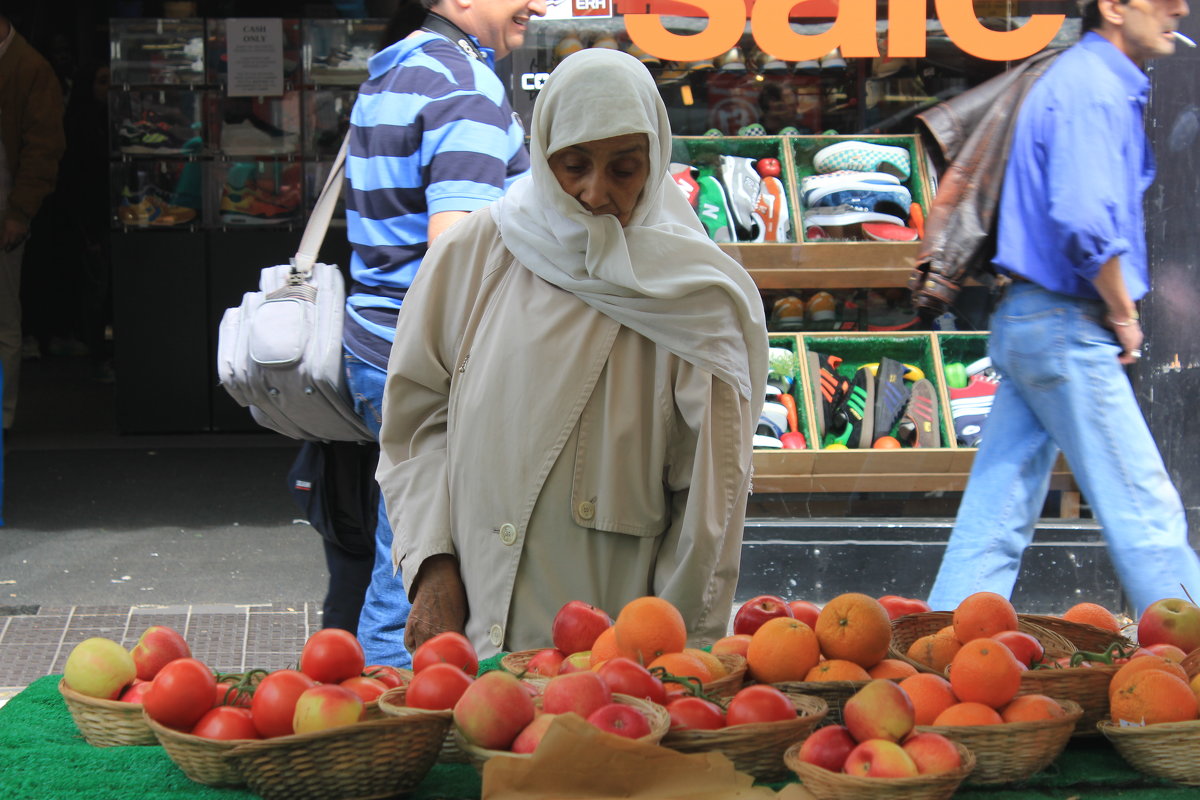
(606, 176)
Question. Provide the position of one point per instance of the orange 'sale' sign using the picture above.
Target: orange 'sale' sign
(853, 31)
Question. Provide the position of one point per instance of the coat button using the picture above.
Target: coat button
(496, 635)
(587, 510)
(508, 533)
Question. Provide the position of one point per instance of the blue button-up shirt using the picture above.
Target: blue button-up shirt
(1079, 165)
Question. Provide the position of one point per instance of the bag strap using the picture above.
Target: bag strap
(318, 221)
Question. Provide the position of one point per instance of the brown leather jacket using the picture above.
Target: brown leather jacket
(968, 138)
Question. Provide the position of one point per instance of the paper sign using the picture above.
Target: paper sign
(254, 47)
(578, 9)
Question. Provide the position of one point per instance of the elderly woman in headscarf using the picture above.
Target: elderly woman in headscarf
(574, 386)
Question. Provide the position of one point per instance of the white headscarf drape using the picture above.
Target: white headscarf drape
(660, 275)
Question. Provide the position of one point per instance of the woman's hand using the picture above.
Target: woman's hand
(439, 601)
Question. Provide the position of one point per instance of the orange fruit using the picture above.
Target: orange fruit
(934, 651)
(969, 713)
(715, 668)
(1092, 614)
(946, 631)
(604, 648)
(682, 665)
(1031, 708)
(1141, 664)
(892, 669)
(985, 671)
(982, 614)
(1195, 684)
(930, 694)
(854, 627)
(836, 669)
(1151, 696)
(783, 649)
(647, 628)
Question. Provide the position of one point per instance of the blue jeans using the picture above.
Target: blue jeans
(385, 609)
(1063, 388)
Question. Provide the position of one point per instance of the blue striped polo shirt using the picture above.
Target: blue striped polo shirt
(432, 130)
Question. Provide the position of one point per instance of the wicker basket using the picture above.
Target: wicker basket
(755, 748)
(1012, 751)
(1083, 637)
(655, 714)
(1086, 686)
(392, 702)
(826, 785)
(910, 627)
(106, 723)
(1164, 750)
(203, 760)
(834, 693)
(377, 758)
(1191, 663)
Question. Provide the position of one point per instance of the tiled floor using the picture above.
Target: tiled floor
(35, 641)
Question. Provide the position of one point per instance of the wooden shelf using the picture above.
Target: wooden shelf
(826, 265)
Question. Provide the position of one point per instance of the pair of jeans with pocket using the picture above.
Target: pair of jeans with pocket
(1062, 388)
(385, 608)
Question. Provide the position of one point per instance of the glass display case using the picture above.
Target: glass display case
(335, 51)
(258, 192)
(159, 194)
(218, 51)
(253, 126)
(156, 51)
(156, 122)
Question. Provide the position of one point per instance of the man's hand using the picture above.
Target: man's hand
(439, 601)
(1130, 337)
(12, 234)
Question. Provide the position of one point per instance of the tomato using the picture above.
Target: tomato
(626, 676)
(275, 699)
(331, 655)
(448, 646)
(437, 687)
(367, 688)
(390, 676)
(180, 693)
(1024, 646)
(226, 722)
(897, 606)
(695, 714)
(759, 703)
(229, 695)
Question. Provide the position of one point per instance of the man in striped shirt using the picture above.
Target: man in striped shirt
(432, 138)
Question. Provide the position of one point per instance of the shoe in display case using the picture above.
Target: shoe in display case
(326, 120)
(257, 126)
(218, 52)
(157, 194)
(156, 51)
(156, 122)
(336, 51)
(258, 192)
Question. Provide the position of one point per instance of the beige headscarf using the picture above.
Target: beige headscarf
(660, 275)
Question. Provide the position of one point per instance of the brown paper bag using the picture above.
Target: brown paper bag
(577, 760)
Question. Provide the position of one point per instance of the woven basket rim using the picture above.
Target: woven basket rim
(190, 738)
(1051, 640)
(791, 758)
(391, 702)
(303, 739)
(1050, 621)
(1188, 727)
(112, 705)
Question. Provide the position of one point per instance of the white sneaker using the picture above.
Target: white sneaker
(864, 157)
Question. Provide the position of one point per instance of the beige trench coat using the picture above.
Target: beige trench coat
(555, 453)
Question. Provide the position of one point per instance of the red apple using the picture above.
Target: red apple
(879, 758)
(736, 644)
(327, 706)
(367, 688)
(576, 626)
(754, 612)
(695, 714)
(493, 710)
(582, 692)
(897, 606)
(1170, 621)
(1024, 646)
(546, 662)
(879, 710)
(99, 667)
(136, 691)
(828, 747)
(932, 753)
(620, 719)
(576, 662)
(805, 611)
(626, 676)
(531, 735)
(156, 647)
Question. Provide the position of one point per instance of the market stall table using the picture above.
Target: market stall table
(42, 755)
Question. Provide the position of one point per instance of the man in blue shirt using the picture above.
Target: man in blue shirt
(432, 138)
(1071, 237)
